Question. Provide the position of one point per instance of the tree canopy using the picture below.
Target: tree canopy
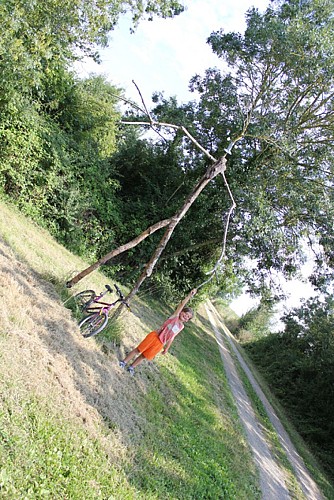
(57, 131)
(274, 103)
(277, 102)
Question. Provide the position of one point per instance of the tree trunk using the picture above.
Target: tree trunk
(117, 251)
(217, 168)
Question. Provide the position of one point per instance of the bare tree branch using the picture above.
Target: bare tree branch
(215, 169)
(213, 271)
(117, 251)
(218, 167)
(142, 100)
(176, 127)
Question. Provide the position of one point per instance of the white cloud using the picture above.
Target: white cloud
(164, 54)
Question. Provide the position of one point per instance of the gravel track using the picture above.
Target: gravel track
(272, 478)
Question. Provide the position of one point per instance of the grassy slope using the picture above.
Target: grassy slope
(74, 425)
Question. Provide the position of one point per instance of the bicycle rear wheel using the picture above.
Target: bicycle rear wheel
(84, 299)
(93, 324)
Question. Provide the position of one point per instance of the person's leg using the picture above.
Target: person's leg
(151, 345)
(138, 360)
(131, 355)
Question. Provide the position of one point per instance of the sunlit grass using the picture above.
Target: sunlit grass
(42, 456)
(73, 425)
(171, 432)
(76, 426)
(198, 445)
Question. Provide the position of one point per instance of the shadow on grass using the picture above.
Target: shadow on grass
(169, 414)
(89, 371)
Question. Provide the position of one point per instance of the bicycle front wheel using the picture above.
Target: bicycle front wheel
(84, 299)
(93, 324)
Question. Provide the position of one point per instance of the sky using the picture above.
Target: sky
(294, 289)
(163, 55)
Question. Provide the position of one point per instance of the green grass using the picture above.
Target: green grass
(193, 451)
(230, 318)
(178, 433)
(171, 432)
(174, 426)
(42, 456)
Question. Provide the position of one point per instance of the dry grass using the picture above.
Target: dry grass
(43, 354)
(41, 346)
(42, 351)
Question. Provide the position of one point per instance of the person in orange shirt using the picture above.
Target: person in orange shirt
(161, 339)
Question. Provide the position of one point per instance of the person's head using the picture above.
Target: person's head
(186, 314)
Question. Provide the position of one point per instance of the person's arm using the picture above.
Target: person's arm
(167, 346)
(184, 302)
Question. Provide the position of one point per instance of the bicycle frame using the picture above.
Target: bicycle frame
(98, 312)
(96, 306)
(100, 306)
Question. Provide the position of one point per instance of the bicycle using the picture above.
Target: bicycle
(98, 316)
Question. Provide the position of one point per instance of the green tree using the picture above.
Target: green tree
(299, 365)
(58, 133)
(276, 107)
(39, 38)
(277, 103)
(55, 166)
(154, 181)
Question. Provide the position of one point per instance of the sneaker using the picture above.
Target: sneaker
(122, 364)
(131, 370)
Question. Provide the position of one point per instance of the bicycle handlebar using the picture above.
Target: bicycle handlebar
(119, 293)
(121, 296)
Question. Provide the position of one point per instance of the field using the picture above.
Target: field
(74, 425)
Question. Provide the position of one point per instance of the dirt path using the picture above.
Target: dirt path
(272, 480)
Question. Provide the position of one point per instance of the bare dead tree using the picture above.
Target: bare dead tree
(218, 167)
(117, 251)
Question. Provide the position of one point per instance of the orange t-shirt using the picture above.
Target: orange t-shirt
(170, 328)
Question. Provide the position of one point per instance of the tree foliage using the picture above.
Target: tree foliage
(61, 140)
(299, 365)
(56, 170)
(277, 102)
(58, 132)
